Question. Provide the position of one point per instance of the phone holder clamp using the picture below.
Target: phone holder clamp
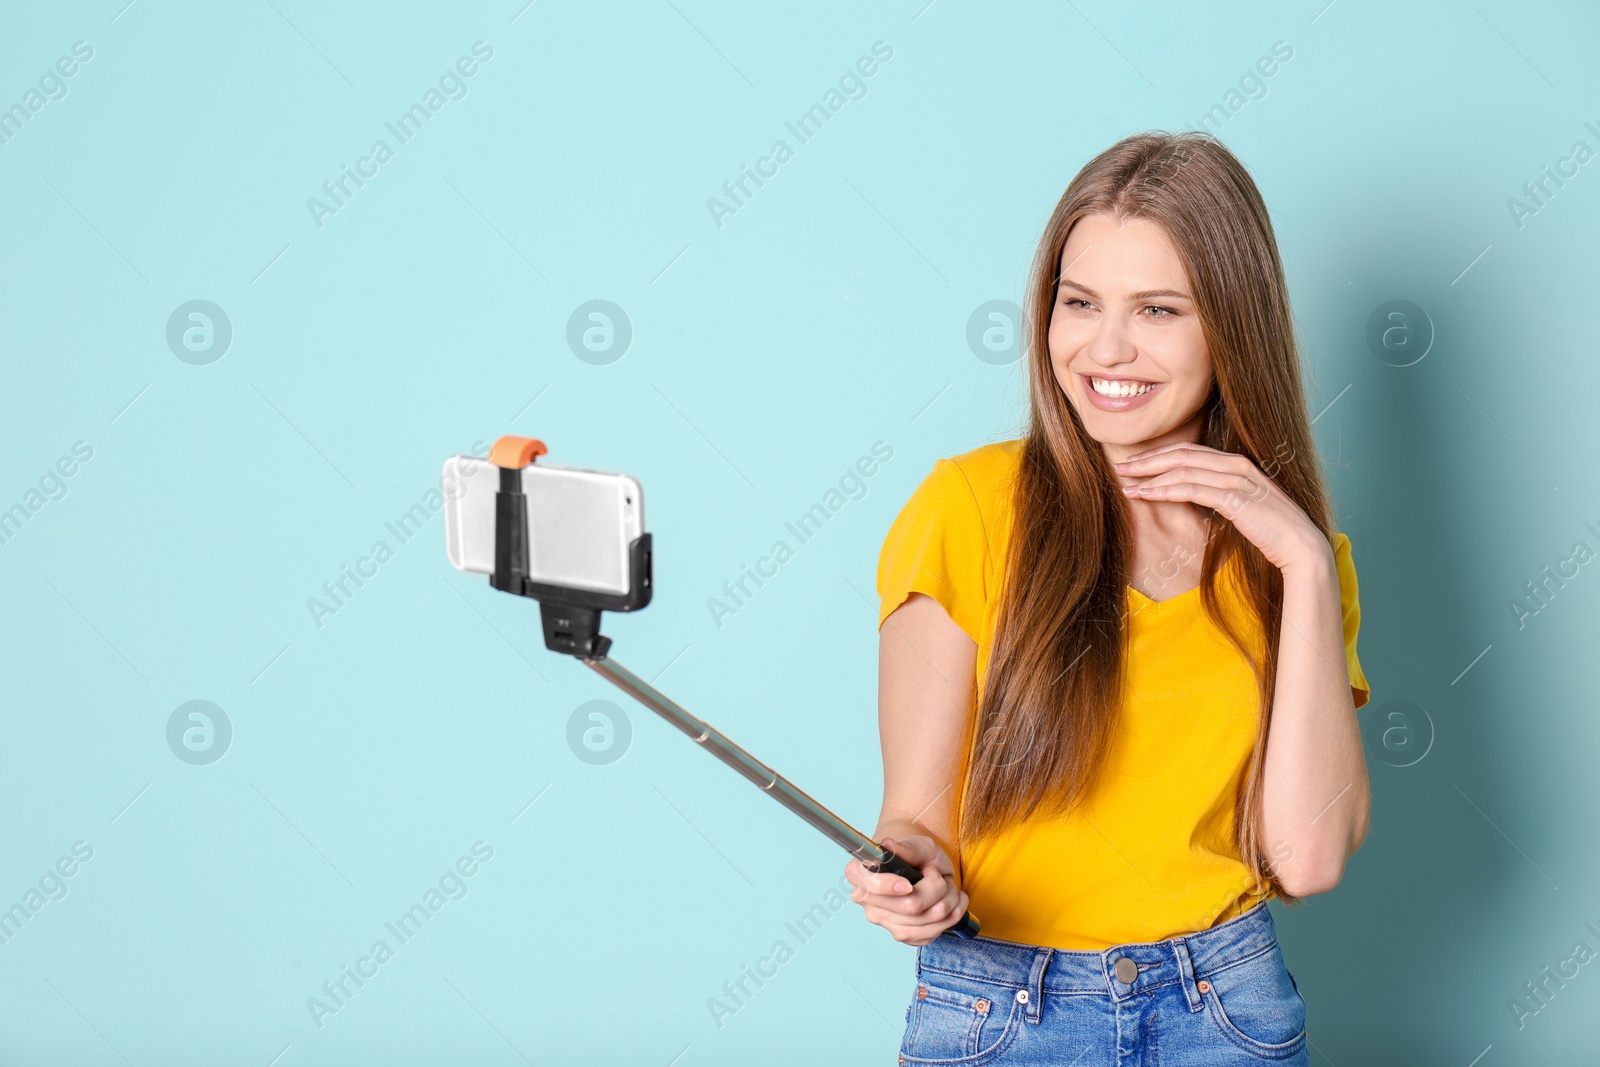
(570, 616)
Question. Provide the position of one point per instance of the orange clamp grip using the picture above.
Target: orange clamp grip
(514, 453)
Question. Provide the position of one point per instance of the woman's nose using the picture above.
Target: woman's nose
(1110, 345)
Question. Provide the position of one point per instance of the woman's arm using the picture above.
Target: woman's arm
(1315, 798)
(926, 684)
(926, 672)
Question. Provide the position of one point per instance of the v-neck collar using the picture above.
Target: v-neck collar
(1144, 603)
(1227, 586)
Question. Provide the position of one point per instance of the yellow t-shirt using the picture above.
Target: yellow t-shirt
(1150, 853)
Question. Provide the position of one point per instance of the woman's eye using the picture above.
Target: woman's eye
(1071, 300)
(1165, 311)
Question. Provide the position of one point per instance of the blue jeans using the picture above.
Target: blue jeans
(1221, 996)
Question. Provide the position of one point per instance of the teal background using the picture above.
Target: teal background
(429, 315)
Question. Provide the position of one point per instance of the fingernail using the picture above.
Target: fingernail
(1130, 489)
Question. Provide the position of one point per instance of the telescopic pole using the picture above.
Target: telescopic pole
(785, 792)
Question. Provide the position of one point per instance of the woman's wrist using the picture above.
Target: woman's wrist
(900, 828)
(1313, 564)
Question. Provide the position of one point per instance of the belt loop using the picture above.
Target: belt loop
(1186, 968)
(1041, 960)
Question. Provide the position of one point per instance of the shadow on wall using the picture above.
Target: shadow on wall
(1380, 958)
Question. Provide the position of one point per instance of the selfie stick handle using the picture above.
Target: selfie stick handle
(876, 858)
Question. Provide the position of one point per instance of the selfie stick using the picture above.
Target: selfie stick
(571, 621)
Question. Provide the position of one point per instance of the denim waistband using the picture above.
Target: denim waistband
(1041, 969)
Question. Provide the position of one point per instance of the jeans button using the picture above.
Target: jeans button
(1126, 970)
(1022, 996)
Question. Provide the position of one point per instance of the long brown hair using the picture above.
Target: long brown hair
(1055, 674)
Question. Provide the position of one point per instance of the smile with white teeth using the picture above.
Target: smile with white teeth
(1106, 387)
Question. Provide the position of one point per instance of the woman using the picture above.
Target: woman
(1084, 636)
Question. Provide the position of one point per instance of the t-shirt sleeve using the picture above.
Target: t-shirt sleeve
(1360, 691)
(937, 545)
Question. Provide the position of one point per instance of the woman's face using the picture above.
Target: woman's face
(1125, 338)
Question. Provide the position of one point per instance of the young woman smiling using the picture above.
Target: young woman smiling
(1117, 666)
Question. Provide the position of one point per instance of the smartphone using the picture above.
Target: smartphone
(580, 522)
